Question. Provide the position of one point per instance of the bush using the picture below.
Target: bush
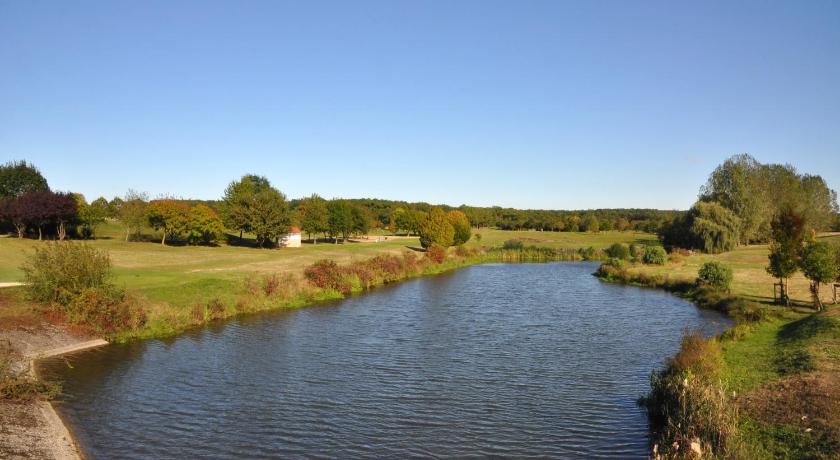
(58, 272)
(654, 255)
(513, 244)
(326, 274)
(716, 275)
(436, 253)
(76, 277)
(618, 251)
(590, 253)
(105, 311)
(687, 404)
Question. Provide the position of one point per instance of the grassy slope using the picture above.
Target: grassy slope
(780, 368)
(171, 279)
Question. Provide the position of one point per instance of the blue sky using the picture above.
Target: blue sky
(531, 104)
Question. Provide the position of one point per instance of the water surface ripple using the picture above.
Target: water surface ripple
(531, 360)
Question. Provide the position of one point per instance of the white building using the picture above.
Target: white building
(291, 240)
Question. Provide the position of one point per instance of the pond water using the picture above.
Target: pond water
(491, 360)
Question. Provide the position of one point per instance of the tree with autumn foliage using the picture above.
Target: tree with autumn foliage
(461, 225)
(436, 230)
(204, 226)
(168, 216)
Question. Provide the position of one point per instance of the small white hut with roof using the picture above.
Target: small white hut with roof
(291, 239)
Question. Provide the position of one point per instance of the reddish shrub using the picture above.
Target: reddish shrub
(105, 312)
(326, 274)
(270, 284)
(436, 254)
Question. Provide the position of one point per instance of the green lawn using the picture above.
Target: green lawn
(177, 276)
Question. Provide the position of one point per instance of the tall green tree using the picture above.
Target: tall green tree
(788, 234)
(270, 216)
(436, 230)
(314, 216)
(819, 265)
(168, 216)
(19, 177)
(361, 219)
(132, 212)
(239, 202)
(461, 224)
(90, 216)
(203, 225)
(707, 226)
(340, 220)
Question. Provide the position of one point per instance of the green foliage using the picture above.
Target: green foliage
(360, 220)
(819, 264)
(654, 255)
(168, 216)
(436, 230)
(59, 272)
(340, 218)
(707, 226)
(18, 178)
(618, 251)
(513, 244)
(270, 217)
(788, 233)
(132, 212)
(253, 205)
(590, 224)
(314, 216)
(461, 225)
(204, 225)
(716, 275)
(756, 192)
(90, 216)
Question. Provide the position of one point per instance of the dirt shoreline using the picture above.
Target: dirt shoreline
(34, 430)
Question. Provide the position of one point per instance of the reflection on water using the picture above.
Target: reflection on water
(492, 360)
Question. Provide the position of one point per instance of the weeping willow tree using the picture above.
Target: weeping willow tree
(708, 227)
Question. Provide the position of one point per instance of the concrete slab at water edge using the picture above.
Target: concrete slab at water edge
(33, 430)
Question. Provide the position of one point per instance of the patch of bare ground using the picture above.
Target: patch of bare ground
(31, 429)
(810, 402)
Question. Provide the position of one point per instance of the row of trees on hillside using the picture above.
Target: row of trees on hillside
(740, 201)
(382, 213)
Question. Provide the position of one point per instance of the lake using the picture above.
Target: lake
(498, 360)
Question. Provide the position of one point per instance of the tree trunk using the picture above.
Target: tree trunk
(39, 233)
(127, 232)
(163, 240)
(61, 231)
(815, 293)
(21, 228)
(240, 235)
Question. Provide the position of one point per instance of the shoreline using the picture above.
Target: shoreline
(69, 447)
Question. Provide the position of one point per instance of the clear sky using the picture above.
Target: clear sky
(531, 104)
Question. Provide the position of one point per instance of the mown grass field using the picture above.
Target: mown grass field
(176, 277)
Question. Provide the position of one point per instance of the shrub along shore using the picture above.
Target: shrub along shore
(769, 387)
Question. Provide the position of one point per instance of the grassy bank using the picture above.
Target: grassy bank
(779, 368)
(181, 286)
